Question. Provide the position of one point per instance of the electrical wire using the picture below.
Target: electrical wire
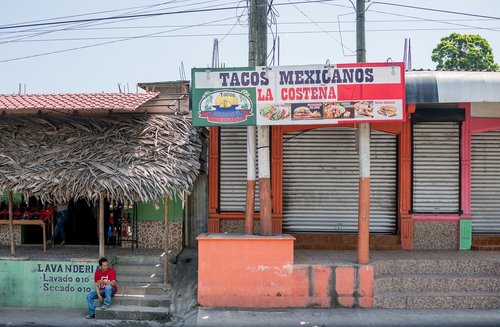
(319, 26)
(82, 24)
(144, 15)
(113, 22)
(281, 23)
(447, 22)
(246, 33)
(104, 43)
(435, 10)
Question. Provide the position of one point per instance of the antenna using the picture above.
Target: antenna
(405, 54)
(279, 50)
(182, 72)
(215, 54)
(119, 88)
(409, 54)
(20, 89)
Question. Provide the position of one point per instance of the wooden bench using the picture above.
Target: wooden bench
(34, 222)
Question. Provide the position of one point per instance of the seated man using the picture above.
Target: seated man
(105, 287)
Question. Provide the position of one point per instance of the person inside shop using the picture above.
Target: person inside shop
(104, 287)
(62, 216)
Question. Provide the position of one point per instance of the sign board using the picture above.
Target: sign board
(57, 284)
(298, 95)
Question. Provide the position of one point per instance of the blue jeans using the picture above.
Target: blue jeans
(107, 293)
(62, 218)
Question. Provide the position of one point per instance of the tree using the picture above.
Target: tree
(464, 52)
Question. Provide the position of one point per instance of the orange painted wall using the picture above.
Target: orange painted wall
(249, 271)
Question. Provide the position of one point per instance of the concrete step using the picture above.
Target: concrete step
(433, 282)
(429, 266)
(142, 300)
(344, 242)
(437, 300)
(140, 278)
(479, 247)
(130, 312)
(125, 288)
(139, 260)
(145, 268)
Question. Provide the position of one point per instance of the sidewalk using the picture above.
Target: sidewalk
(208, 317)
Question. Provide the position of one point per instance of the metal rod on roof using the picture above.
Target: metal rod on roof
(101, 225)
(165, 244)
(11, 226)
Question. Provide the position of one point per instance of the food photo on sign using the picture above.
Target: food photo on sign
(307, 111)
(338, 110)
(275, 112)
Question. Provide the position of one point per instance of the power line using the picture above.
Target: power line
(319, 26)
(143, 15)
(427, 19)
(282, 23)
(82, 24)
(244, 34)
(104, 43)
(91, 13)
(436, 10)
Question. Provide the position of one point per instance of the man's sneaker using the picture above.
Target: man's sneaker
(104, 306)
(90, 317)
(62, 243)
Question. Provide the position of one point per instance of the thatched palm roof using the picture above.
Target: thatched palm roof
(125, 157)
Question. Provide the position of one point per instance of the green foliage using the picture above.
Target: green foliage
(464, 52)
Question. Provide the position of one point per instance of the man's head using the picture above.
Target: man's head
(103, 263)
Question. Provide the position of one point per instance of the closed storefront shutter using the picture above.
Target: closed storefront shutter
(436, 167)
(233, 169)
(485, 183)
(321, 176)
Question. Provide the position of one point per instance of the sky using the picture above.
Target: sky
(71, 56)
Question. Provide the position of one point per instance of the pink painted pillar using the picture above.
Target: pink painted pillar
(465, 232)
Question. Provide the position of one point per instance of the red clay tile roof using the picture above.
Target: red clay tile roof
(78, 101)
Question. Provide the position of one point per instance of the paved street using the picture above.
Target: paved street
(204, 317)
(347, 317)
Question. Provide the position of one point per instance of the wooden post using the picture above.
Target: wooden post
(101, 225)
(165, 244)
(258, 57)
(11, 226)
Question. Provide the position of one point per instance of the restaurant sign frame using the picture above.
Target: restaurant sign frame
(298, 95)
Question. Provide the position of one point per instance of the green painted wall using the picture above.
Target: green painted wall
(465, 234)
(45, 283)
(146, 211)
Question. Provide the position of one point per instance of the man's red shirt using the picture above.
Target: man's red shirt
(110, 274)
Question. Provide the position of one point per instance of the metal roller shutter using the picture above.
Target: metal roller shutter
(321, 176)
(485, 183)
(233, 170)
(436, 167)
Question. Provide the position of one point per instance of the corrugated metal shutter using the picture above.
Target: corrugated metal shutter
(233, 169)
(485, 183)
(436, 167)
(321, 176)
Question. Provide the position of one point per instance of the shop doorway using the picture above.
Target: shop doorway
(81, 228)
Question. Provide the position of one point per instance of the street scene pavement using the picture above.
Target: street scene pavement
(255, 318)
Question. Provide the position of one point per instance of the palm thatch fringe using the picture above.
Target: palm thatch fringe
(125, 157)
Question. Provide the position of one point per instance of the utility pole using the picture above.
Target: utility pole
(363, 138)
(257, 56)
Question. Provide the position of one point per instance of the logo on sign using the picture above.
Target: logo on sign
(225, 107)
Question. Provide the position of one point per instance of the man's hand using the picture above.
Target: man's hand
(101, 300)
